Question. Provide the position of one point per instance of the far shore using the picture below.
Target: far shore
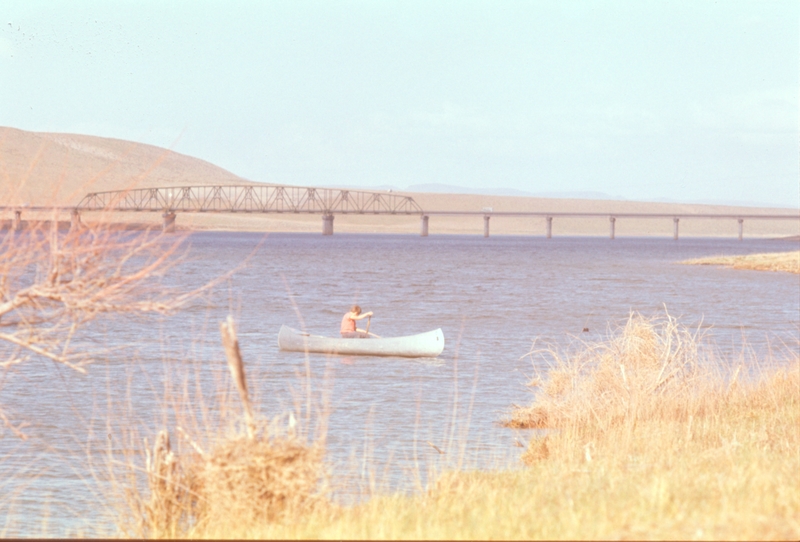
(410, 224)
(772, 261)
(47, 169)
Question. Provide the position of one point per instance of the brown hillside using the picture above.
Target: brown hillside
(59, 169)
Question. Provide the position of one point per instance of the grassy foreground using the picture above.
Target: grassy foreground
(637, 437)
(770, 261)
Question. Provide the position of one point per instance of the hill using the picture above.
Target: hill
(59, 169)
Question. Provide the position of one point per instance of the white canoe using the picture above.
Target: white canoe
(424, 345)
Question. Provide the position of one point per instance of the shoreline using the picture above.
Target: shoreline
(788, 262)
(354, 227)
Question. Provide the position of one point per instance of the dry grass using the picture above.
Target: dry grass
(238, 484)
(637, 437)
(232, 474)
(650, 369)
(771, 261)
(731, 473)
(248, 482)
(664, 443)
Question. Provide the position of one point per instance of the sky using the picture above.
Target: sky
(693, 101)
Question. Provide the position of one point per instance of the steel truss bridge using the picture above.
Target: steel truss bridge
(251, 199)
(323, 201)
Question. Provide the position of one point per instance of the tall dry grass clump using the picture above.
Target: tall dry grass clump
(233, 478)
(652, 373)
(249, 482)
(235, 486)
(651, 370)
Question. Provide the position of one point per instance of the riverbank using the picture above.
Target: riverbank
(788, 262)
(635, 437)
(438, 225)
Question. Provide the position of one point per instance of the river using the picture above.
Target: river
(392, 417)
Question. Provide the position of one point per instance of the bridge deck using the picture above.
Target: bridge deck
(614, 215)
(730, 216)
(327, 202)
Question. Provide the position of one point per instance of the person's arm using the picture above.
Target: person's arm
(362, 315)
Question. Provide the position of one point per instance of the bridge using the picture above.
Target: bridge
(326, 202)
(252, 199)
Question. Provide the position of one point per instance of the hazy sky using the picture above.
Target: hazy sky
(688, 101)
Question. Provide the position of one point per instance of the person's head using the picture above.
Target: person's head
(355, 309)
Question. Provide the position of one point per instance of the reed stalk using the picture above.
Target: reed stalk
(236, 366)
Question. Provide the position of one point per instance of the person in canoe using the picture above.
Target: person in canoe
(349, 329)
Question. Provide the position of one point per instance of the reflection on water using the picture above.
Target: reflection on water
(491, 297)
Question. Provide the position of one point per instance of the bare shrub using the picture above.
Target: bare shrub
(52, 283)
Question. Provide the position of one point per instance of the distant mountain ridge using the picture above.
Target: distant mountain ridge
(440, 188)
(502, 191)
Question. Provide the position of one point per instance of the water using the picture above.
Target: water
(491, 297)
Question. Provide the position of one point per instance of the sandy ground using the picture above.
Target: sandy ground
(59, 169)
(773, 261)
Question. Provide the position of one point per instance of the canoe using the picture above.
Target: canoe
(424, 345)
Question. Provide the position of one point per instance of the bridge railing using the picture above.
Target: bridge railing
(251, 199)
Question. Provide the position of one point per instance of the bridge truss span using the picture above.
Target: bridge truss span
(251, 199)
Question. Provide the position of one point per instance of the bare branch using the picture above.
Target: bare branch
(53, 283)
(17, 430)
(40, 351)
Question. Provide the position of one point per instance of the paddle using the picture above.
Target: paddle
(366, 332)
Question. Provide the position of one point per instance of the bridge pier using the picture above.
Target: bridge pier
(486, 225)
(16, 225)
(741, 228)
(74, 220)
(676, 221)
(327, 224)
(423, 226)
(549, 227)
(612, 222)
(169, 222)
